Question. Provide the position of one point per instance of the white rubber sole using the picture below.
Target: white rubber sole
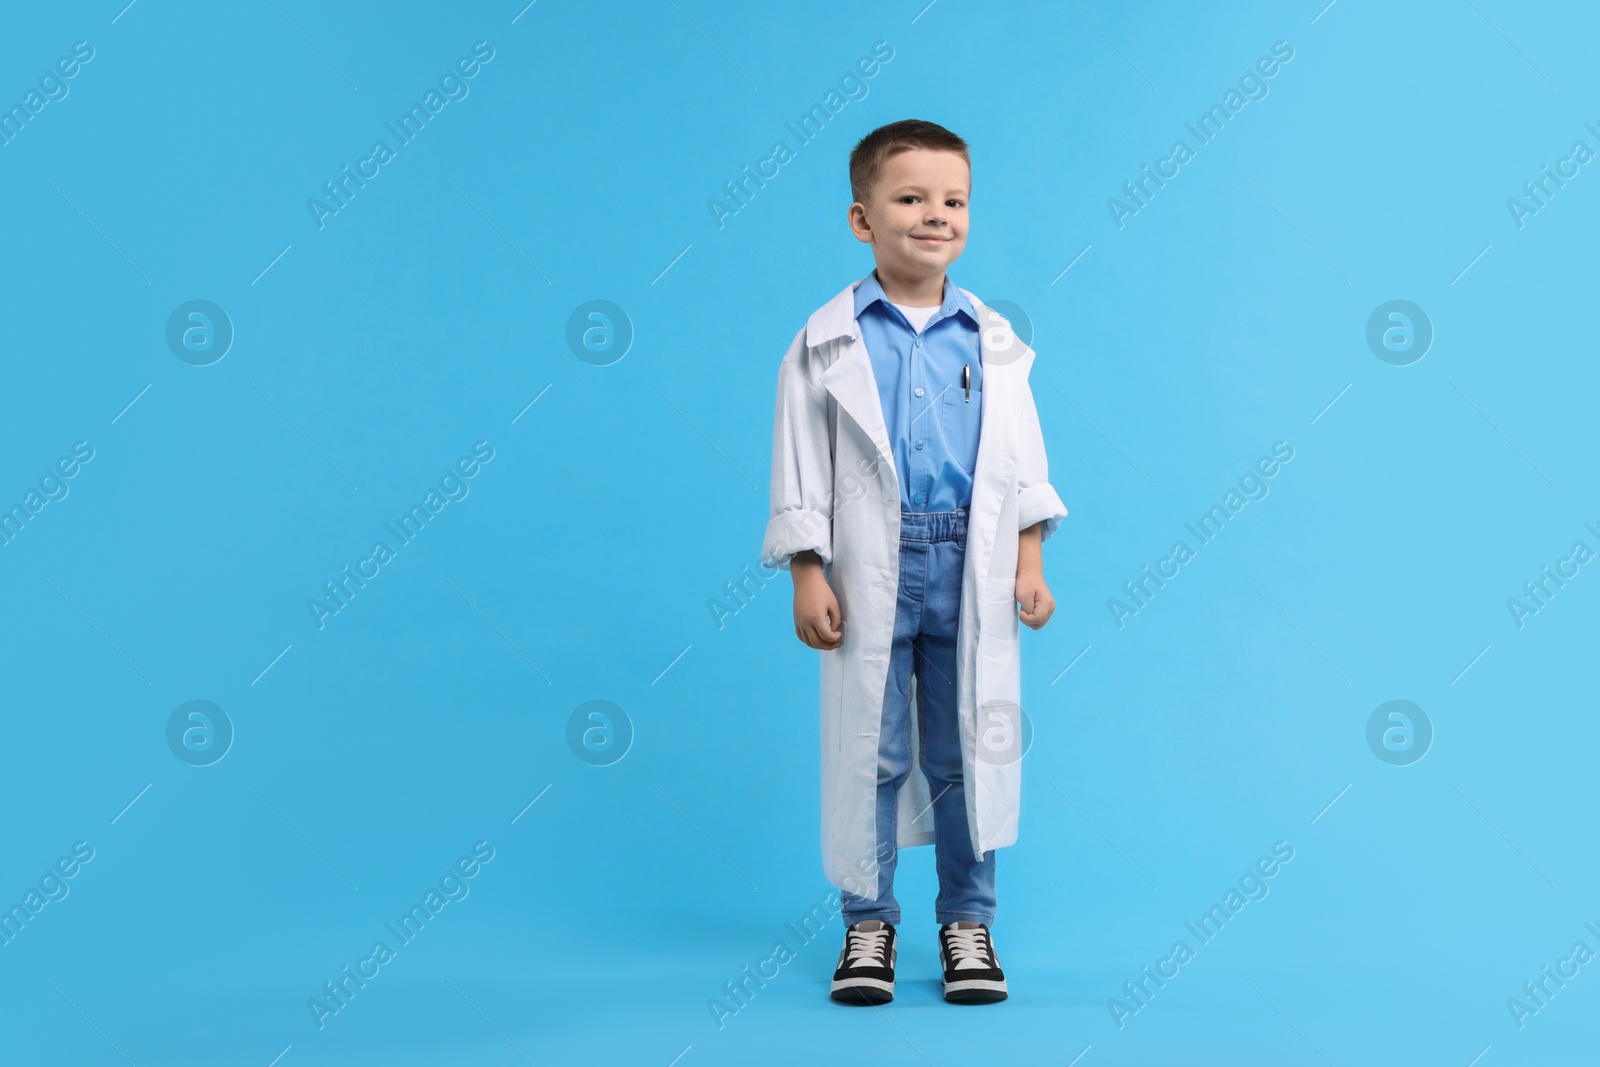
(866, 990)
(975, 989)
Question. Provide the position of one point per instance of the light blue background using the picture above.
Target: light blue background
(426, 715)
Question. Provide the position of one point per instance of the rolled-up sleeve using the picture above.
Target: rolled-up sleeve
(801, 514)
(1036, 497)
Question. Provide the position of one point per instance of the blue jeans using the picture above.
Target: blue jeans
(933, 546)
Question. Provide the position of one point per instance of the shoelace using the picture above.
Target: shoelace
(866, 946)
(968, 949)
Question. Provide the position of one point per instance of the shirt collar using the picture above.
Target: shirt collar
(870, 290)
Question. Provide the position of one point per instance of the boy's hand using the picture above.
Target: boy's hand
(817, 619)
(1034, 596)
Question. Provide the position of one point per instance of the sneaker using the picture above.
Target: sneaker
(972, 972)
(865, 974)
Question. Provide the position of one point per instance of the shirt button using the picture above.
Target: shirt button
(917, 343)
(919, 498)
(917, 392)
(919, 444)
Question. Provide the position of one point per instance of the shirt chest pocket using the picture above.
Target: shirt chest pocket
(960, 422)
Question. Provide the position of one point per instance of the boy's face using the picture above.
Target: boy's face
(916, 220)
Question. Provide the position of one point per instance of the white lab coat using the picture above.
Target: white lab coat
(835, 491)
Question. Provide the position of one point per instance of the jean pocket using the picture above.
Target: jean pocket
(960, 420)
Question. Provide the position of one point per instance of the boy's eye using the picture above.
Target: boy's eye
(955, 203)
(908, 198)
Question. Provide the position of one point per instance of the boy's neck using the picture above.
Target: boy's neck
(920, 292)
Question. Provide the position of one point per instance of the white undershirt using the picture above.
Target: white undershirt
(918, 317)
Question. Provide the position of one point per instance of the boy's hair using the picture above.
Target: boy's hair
(874, 150)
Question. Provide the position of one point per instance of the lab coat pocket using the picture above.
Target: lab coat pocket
(959, 421)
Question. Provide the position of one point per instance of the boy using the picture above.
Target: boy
(910, 497)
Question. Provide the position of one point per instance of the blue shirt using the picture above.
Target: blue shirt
(933, 427)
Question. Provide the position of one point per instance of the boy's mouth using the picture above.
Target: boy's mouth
(931, 239)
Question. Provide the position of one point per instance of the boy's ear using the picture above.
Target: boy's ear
(856, 215)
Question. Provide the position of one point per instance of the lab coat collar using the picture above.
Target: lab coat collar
(834, 319)
(850, 379)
